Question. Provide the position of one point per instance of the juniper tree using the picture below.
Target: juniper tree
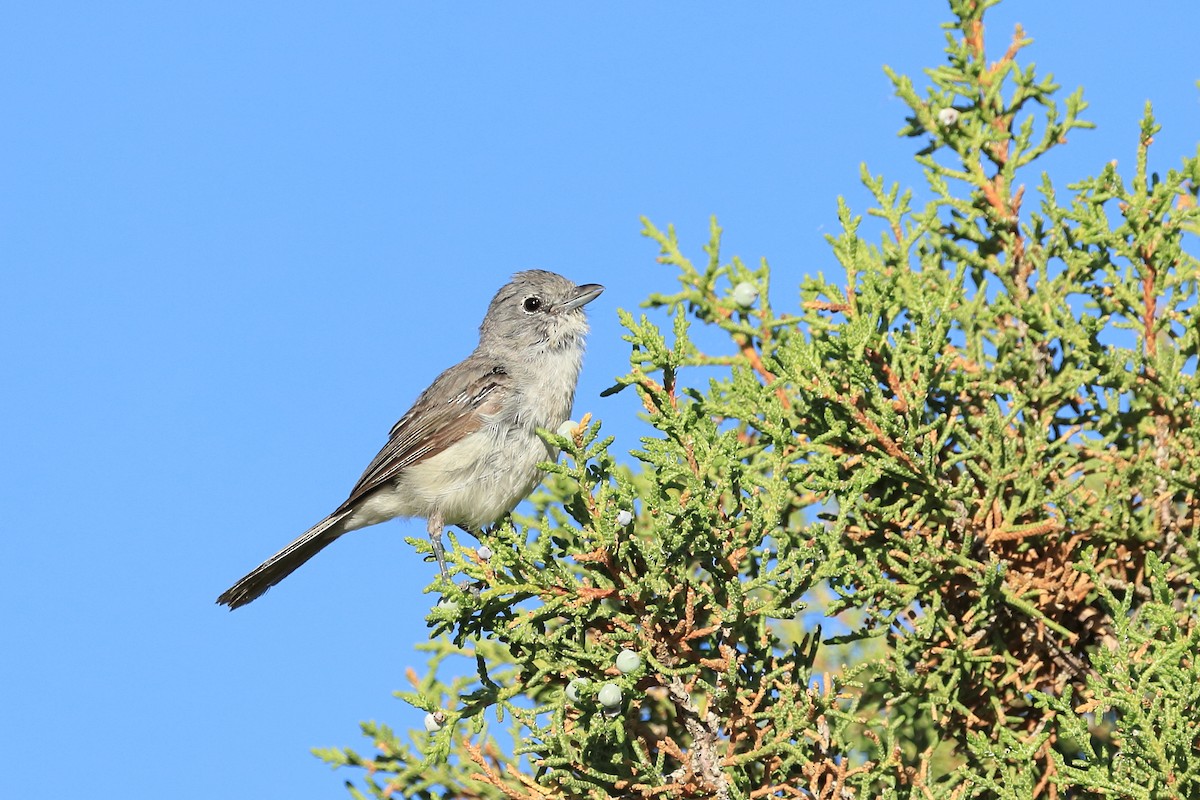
(979, 453)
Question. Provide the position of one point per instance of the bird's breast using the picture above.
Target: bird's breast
(543, 387)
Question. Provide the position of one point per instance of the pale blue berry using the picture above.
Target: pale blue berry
(574, 687)
(485, 552)
(434, 721)
(609, 696)
(948, 117)
(624, 518)
(744, 294)
(628, 661)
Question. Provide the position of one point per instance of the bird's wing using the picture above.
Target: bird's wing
(454, 406)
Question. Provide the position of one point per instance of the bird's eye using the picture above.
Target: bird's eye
(532, 304)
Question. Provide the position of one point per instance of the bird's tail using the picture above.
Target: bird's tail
(285, 562)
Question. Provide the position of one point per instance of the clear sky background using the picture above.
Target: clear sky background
(237, 239)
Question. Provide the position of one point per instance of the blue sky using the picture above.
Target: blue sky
(238, 239)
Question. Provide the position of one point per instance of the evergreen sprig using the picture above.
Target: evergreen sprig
(979, 453)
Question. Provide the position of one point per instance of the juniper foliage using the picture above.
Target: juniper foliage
(980, 453)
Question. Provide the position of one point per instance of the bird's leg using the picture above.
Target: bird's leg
(435, 539)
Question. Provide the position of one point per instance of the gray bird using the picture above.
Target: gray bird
(467, 452)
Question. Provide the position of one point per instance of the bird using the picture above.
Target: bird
(468, 450)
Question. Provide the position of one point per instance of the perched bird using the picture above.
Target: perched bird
(467, 452)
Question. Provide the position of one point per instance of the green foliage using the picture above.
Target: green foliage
(979, 453)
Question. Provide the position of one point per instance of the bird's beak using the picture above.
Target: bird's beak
(583, 295)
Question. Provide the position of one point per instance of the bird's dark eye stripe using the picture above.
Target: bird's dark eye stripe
(532, 304)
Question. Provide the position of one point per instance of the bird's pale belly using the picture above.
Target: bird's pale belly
(472, 484)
